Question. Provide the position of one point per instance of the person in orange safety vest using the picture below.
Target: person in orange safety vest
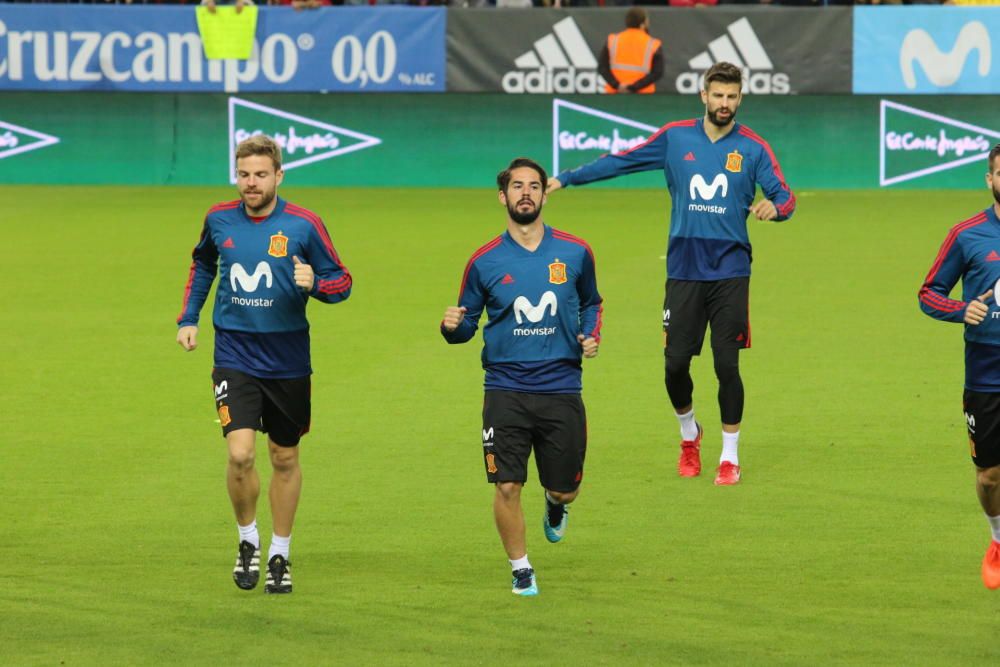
(632, 61)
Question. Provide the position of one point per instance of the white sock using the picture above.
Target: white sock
(520, 564)
(689, 427)
(994, 526)
(730, 441)
(249, 533)
(551, 499)
(279, 546)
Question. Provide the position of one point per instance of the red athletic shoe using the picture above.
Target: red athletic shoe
(729, 473)
(689, 465)
(991, 566)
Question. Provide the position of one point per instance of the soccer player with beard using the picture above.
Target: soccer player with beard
(712, 167)
(539, 288)
(271, 256)
(971, 253)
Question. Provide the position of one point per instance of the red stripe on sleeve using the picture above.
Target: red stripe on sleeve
(476, 255)
(677, 123)
(949, 241)
(187, 292)
(223, 206)
(753, 136)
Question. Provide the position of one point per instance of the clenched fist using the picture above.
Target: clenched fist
(453, 316)
(187, 337)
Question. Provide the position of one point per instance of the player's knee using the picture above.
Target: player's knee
(284, 459)
(988, 478)
(509, 491)
(678, 367)
(727, 366)
(564, 498)
(241, 458)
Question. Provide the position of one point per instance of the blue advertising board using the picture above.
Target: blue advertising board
(126, 48)
(926, 50)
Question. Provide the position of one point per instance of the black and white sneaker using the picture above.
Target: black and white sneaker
(246, 574)
(279, 575)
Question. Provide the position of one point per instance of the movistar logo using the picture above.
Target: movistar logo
(943, 69)
(700, 188)
(250, 282)
(523, 308)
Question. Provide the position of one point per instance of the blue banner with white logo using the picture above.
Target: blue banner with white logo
(926, 50)
(127, 48)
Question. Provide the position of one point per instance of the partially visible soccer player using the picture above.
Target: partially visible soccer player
(971, 253)
(539, 289)
(712, 167)
(272, 256)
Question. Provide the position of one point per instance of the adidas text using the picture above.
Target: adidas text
(542, 80)
(758, 83)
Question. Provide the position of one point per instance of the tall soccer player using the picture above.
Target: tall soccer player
(970, 254)
(539, 288)
(712, 166)
(271, 256)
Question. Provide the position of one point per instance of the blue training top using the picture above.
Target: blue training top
(260, 313)
(970, 252)
(712, 186)
(538, 302)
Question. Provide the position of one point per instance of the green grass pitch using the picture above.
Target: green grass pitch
(855, 537)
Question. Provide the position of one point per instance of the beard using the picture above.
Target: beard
(713, 117)
(996, 194)
(265, 200)
(526, 217)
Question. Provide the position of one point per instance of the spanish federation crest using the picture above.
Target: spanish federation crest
(224, 417)
(557, 272)
(279, 246)
(734, 162)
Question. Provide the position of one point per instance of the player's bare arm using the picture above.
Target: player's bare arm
(589, 345)
(304, 276)
(187, 337)
(764, 210)
(977, 309)
(453, 316)
(552, 186)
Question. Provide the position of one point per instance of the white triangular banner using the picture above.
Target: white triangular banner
(558, 104)
(43, 140)
(886, 104)
(364, 140)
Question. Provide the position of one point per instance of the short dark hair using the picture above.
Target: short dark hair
(260, 144)
(993, 156)
(635, 17)
(723, 72)
(503, 178)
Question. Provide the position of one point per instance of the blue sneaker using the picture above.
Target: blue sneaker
(524, 582)
(555, 520)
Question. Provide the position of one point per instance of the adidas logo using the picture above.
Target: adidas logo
(740, 46)
(689, 157)
(228, 243)
(993, 256)
(560, 62)
(508, 279)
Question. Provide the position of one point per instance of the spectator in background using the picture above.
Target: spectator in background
(632, 60)
(239, 5)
